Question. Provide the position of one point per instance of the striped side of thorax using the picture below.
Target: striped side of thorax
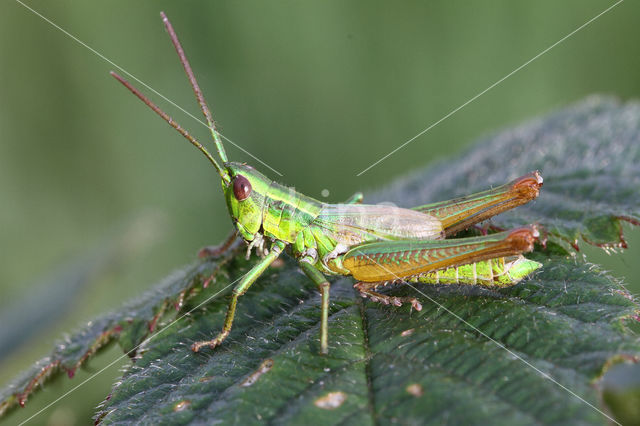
(287, 212)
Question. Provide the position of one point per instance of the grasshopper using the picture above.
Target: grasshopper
(375, 244)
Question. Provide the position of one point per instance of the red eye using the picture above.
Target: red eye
(241, 188)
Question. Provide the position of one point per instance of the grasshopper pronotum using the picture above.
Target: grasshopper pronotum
(375, 244)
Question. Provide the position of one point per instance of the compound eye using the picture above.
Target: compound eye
(241, 188)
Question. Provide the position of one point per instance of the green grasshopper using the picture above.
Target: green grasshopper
(376, 244)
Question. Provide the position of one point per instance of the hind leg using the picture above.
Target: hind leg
(461, 213)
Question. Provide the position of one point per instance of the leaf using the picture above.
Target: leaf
(388, 363)
(472, 355)
(129, 327)
(53, 296)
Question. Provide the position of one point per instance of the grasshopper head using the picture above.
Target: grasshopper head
(245, 195)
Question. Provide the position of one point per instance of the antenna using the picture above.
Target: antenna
(196, 87)
(223, 174)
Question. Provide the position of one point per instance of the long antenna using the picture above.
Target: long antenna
(223, 174)
(196, 87)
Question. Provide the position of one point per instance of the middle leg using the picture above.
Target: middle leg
(366, 291)
(323, 285)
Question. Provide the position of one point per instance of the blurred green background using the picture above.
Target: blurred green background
(99, 199)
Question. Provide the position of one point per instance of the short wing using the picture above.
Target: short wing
(352, 224)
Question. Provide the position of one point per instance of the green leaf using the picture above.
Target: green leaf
(526, 354)
(388, 363)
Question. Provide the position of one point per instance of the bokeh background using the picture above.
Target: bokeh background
(99, 199)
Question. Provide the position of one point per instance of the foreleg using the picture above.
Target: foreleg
(238, 291)
(230, 243)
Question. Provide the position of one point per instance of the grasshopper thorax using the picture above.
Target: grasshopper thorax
(245, 194)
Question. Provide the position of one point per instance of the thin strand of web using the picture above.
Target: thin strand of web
(490, 87)
(132, 351)
(109, 61)
(498, 344)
